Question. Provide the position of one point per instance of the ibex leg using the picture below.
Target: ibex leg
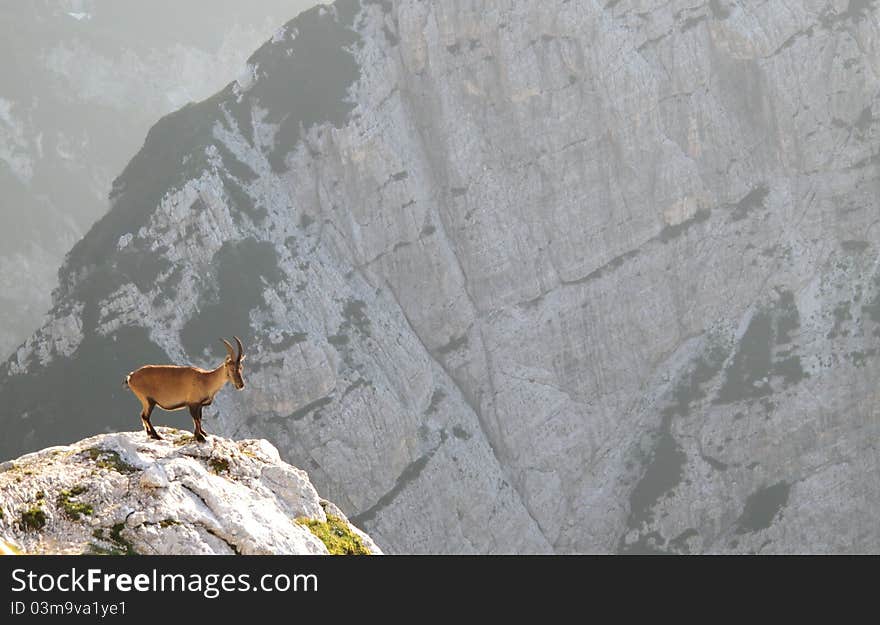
(145, 419)
(201, 429)
(196, 413)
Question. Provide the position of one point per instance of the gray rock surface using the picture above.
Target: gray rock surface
(516, 276)
(127, 494)
(81, 82)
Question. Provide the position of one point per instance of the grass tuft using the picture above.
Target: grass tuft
(336, 534)
(32, 519)
(218, 465)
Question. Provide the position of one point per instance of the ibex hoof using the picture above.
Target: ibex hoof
(156, 437)
(200, 438)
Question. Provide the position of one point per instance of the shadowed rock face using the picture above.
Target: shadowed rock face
(82, 82)
(537, 276)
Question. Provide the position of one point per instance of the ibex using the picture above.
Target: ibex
(173, 387)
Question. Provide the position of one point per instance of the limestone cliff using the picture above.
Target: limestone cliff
(515, 276)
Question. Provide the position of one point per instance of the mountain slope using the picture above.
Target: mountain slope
(525, 277)
(81, 84)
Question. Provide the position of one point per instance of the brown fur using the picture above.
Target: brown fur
(173, 387)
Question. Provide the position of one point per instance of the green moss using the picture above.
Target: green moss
(336, 534)
(109, 459)
(119, 546)
(180, 438)
(219, 465)
(74, 509)
(32, 519)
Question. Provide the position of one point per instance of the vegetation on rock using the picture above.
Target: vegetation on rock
(33, 519)
(337, 535)
(73, 509)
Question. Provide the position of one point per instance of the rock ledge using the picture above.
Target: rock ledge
(125, 494)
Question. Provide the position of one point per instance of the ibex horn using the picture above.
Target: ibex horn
(240, 347)
(229, 348)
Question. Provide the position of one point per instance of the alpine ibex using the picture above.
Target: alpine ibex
(173, 387)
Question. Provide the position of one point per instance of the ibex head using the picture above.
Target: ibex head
(233, 363)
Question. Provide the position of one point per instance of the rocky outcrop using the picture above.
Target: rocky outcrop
(127, 494)
(518, 276)
(82, 82)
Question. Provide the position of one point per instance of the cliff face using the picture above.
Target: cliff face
(517, 276)
(126, 494)
(81, 82)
